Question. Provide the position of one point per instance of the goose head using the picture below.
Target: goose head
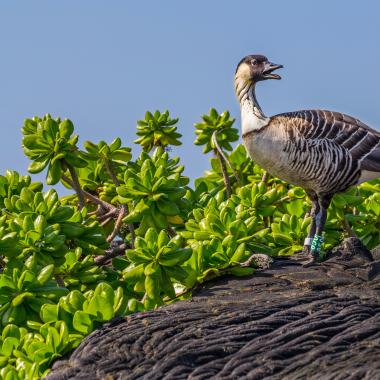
(256, 68)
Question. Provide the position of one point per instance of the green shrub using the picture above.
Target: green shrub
(134, 234)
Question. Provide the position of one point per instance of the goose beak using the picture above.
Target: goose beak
(268, 70)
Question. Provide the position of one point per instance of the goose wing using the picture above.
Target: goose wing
(361, 141)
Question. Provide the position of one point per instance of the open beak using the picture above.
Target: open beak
(268, 70)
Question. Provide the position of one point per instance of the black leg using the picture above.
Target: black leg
(320, 221)
(313, 212)
(324, 203)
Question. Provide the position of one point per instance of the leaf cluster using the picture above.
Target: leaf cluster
(157, 129)
(134, 234)
(222, 123)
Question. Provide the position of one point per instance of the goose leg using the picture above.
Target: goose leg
(313, 212)
(320, 221)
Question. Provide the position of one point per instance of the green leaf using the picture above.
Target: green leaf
(167, 207)
(19, 299)
(76, 299)
(163, 239)
(40, 224)
(101, 303)
(239, 254)
(66, 128)
(54, 173)
(45, 274)
(133, 273)
(121, 155)
(32, 142)
(295, 207)
(49, 313)
(75, 160)
(172, 257)
(152, 287)
(11, 331)
(82, 322)
(38, 164)
(282, 239)
(137, 256)
(8, 345)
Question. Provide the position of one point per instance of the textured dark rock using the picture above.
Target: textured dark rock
(287, 322)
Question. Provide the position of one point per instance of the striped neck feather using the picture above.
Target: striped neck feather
(252, 116)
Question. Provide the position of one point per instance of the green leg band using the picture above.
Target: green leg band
(316, 244)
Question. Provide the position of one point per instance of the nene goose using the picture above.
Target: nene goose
(324, 152)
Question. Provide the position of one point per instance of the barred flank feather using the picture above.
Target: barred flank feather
(329, 147)
(324, 151)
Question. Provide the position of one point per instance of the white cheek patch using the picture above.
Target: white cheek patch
(244, 72)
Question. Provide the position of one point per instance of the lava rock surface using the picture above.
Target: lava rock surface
(287, 322)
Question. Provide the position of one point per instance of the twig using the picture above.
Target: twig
(107, 164)
(111, 211)
(111, 253)
(107, 206)
(224, 157)
(75, 184)
(109, 214)
(264, 178)
(118, 224)
(125, 210)
(106, 221)
(98, 212)
(225, 174)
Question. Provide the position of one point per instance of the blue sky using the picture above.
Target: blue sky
(103, 64)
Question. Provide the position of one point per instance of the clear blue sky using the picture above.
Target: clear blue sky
(104, 63)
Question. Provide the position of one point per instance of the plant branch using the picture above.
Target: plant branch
(111, 173)
(118, 223)
(98, 212)
(225, 174)
(111, 253)
(111, 211)
(107, 206)
(75, 184)
(124, 210)
(106, 221)
(224, 157)
(110, 214)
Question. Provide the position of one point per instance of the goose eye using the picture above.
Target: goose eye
(254, 62)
